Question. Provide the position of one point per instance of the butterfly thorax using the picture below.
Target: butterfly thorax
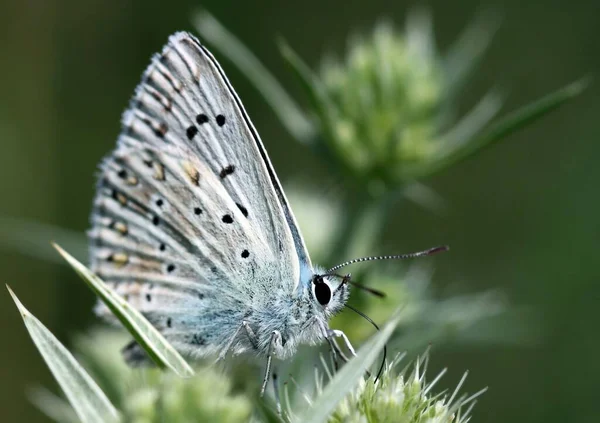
(293, 317)
(300, 317)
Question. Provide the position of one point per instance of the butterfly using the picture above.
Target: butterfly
(191, 226)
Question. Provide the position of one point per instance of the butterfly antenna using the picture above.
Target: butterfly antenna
(373, 291)
(368, 319)
(347, 280)
(429, 252)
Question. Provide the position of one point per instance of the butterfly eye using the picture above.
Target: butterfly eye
(322, 292)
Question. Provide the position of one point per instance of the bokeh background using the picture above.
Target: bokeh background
(521, 217)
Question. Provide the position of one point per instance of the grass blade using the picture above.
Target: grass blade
(157, 347)
(320, 102)
(346, 379)
(30, 238)
(465, 53)
(315, 89)
(511, 123)
(53, 406)
(86, 398)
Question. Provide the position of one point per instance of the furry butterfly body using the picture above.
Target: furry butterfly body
(190, 223)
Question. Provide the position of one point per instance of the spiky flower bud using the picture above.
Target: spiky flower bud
(385, 109)
(402, 397)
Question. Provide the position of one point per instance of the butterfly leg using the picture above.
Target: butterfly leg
(335, 333)
(333, 347)
(251, 335)
(336, 352)
(276, 390)
(339, 334)
(275, 340)
(249, 332)
(225, 350)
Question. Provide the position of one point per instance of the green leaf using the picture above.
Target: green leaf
(30, 238)
(346, 379)
(88, 400)
(311, 84)
(319, 100)
(288, 112)
(465, 53)
(506, 126)
(157, 347)
(53, 406)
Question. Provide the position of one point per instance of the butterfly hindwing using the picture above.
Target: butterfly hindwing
(190, 223)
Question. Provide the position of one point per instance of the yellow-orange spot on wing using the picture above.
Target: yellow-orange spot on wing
(121, 228)
(120, 259)
(159, 171)
(191, 171)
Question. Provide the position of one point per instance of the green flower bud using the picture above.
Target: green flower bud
(401, 398)
(150, 395)
(383, 109)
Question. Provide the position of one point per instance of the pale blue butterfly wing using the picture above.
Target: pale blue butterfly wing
(190, 223)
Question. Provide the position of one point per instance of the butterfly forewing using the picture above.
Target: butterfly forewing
(189, 222)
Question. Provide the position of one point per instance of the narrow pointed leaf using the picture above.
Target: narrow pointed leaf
(30, 238)
(288, 112)
(347, 378)
(149, 338)
(314, 88)
(86, 398)
(472, 123)
(465, 54)
(319, 99)
(506, 126)
(53, 406)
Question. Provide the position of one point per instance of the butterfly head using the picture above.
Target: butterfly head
(330, 292)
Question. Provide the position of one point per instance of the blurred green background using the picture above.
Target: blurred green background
(521, 217)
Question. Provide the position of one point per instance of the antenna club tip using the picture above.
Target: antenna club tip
(440, 249)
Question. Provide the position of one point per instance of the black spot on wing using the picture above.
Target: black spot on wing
(220, 120)
(242, 209)
(198, 340)
(226, 171)
(259, 146)
(227, 218)
(191, 132)
(245, 254)
(201, 119)
(159, 128)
